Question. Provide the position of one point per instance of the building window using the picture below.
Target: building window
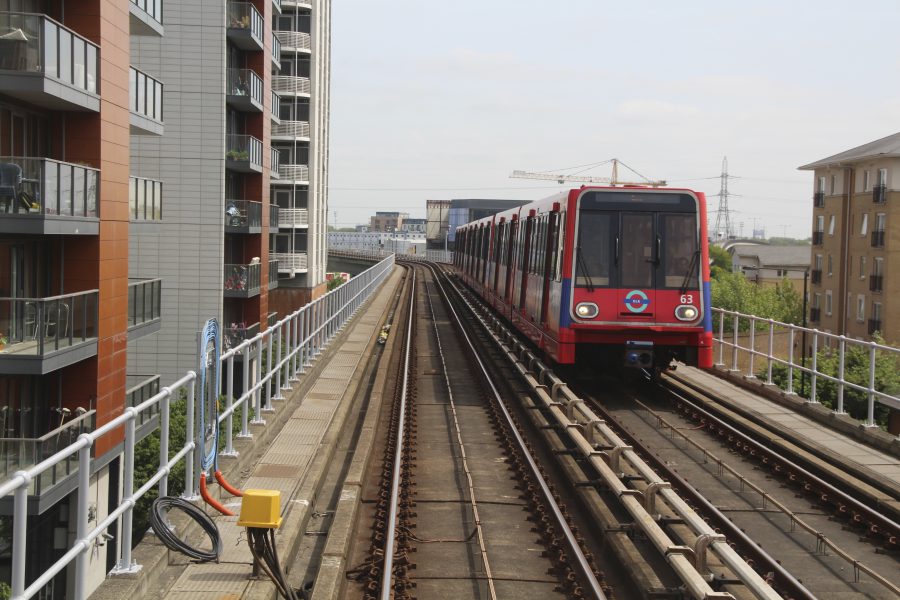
(882, 177)
(821, 187)
(880, 221)
(833, 184)
(862, 267)
(828, 302)
(865, 181)
(861, 307)
(878, 267)
(820, 223)
(830, 265)
(831, 225)
(864, 226)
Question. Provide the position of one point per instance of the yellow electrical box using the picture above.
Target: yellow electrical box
(260, 508)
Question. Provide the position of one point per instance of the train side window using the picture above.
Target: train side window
(560, 245)
(681, 263)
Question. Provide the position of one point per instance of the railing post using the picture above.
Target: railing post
(870, 417)
(842, 344)
(190, 487)
(81, 523)
(790, 385)
(229, 402)
(771, 349)
(257, 395)
(295, 347)
(164, 441)
(283, 340)
(126, 564)
(752, 346)
(734, 347)
(245, 408)
(20, 534)
(814, 369)
(267, 376)
(722, 338)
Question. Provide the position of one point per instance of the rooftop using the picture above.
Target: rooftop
(885, 147)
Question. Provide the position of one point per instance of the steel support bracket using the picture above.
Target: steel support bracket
(685, 551)
(701, 546)
(613, 456)
(650, 494)
(555, 389)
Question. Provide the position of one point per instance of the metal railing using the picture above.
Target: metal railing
(818, 237)
(876, 283)
(241, 148)
(879, 194)
(144, 199)
(39, 326)
(289, 84)
(50, 187)
(275, 157)
(144, 301)
(297, 339)
(273, 274)
(36, 43)
(241, 280)
(819, 199)
(878, 238)
(295, 40)
(274, 216)
(244, 82)
(145, 94)
(276, 49)
(236, 333)
(438, 256)
(291, 129)
(243, 214)
(243, 15)
(751, 338)
(277, 5)
(276, 106)
(152, 7)
(815, 276)
(139, 389)
(290, 218)
(290, 262)
(293, 172)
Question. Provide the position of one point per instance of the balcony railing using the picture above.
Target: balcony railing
(819, 199)
(290, 262)
(245, 25)
(816, 275)
(878, 238)
(34, 43)
(273, 274)
(145, 199)
(237, 333)
(879, 194)
(291, 173)
(874, 325)
(291, 129)
(243, 215)
(290, 218)
(244, 89)
(146, 95)
(276, 4)
(275, 163)
(293, 40)
(144, 301)
(275, 108)
(50, 187)
(40, 326)
(139, 389)
(288, 84)
(274, 216)
(242, 281)
(876, 283)
(21, 453)
(152, 8)
(276, 49)
(818, 237)
(815, 315)
(243, 153)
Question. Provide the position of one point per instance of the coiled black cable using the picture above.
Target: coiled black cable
(173, 542)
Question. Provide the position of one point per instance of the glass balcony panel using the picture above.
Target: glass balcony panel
(78, 204)
(65, 56)
(141, 94)
(146, 95)
(242, 280)
(37, 326)
(237, 333)
(65, 189)
(91, 83)
(91, 177)
(78, 63)
(244, 148)
(145, 199)
(141, 388)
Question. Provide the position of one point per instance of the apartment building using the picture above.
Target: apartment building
(856, 241)
(387, 221)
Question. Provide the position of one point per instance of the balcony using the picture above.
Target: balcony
(290, 262)
(144, 199)
(818, 237)
(273, 274)
(274, 212)
(819, 199)
(816, 275)
(879, 194)
(242, 281)
(290, 131)
(288, 85)
(244, 90)
(276, 4)
(292, 175)
(46, 64)
(139, 389)
(876, 283)
(46, 334)
(294, 41)
(44, 196)
(243, 216)
(275, 157)
(144, 307)
(237, 333)
(293, 218)
(245, 26)
(275, 108)
(276, 51)
(21, 453)
(243, 153)
(815, 315)
(146, 17)
(146, 103)
(874, 325)
(878, 238)
(307, 4)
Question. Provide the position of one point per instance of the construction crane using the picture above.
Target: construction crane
(613, 180)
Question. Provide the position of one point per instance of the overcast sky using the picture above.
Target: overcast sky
(440, 100)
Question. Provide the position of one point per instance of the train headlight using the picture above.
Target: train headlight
(586, 310)
(686, 312)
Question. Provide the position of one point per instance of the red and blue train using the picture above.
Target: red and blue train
(599, 276)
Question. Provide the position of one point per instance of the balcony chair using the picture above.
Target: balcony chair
(10, 186)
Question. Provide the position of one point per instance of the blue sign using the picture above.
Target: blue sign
(637, 301)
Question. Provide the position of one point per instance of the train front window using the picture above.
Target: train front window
(592, 259)
(681, 258)
(640, 251)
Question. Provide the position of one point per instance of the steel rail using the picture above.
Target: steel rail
(482, 544)
(388, 568)
(587, 572)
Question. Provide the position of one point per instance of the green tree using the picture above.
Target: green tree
(732, 291)
(720, 261)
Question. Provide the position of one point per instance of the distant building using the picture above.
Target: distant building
(768, 265)
(362, 229)
(856, 241)
(400, 242)
(387, 221)
(444, 216)
(414, 225)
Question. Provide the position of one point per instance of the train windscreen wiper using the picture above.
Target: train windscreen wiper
(584, 270)
(690, 271)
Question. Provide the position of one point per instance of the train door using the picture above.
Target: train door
(524, 264)
(637, 259)
(509, 262)
(549, 263)
(497, 254)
